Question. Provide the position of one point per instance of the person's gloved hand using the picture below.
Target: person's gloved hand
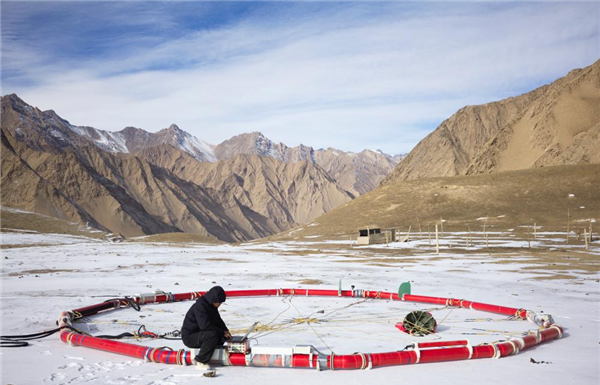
(227, 335)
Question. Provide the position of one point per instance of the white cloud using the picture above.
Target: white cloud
(343, 80)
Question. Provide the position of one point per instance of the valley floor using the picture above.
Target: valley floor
(44, 274)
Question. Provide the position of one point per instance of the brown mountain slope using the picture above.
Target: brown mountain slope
(26, 189)
(357, 173)
(281, 194)
(512, 198)
(561, 127)
(124, 194)
(94, 197)
(353, 172)
(552, 125)
(120, 193)
(48, 167)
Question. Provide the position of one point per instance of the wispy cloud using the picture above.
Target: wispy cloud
(346, 75)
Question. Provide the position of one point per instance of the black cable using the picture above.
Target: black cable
(19, 340)
(13, 344)
(122, 335)
(142, 332)
(174, 335)
(133, 304)
(32, 336)
(130, 302)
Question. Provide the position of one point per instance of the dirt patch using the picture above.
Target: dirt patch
(177, 238)
(225, 260)
(20, 246)
(41, 271)
(380, 260)
(553, 277)
(310, 281)
(140, 265)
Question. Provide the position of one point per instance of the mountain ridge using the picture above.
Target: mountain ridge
(558, 123)
(132, 139)
(63, 174)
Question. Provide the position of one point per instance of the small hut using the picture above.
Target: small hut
(373, 235)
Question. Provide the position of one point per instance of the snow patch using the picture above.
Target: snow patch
(57, 134)
(197, 148)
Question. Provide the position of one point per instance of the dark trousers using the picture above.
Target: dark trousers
(207, 341)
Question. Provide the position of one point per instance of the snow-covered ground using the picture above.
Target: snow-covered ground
(60, 272)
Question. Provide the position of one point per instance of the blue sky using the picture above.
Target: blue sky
(350, 75)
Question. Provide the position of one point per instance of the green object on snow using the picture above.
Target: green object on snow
(340, 289)
(419, 323)
(404, 289)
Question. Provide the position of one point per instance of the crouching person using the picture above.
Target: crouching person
(203, 327)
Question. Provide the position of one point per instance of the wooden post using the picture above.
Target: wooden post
(568, 217)
(437, 244)
(428, 234)
(485, 233)
(467, 239)
(529, 236)
(535, 230)
(591, 239)
(586, 239)
(470, 239)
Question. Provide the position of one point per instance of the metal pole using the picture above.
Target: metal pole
(428, 234)
(437, 244)
(568, 217)
(470, 236)
(485, 233)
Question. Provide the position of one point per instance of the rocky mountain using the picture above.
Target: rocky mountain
(282, 193)
(555, 124)
(255, 143)
(132, 139)
(51, 167)
(357, 173)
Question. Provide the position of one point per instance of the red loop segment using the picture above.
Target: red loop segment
(435, 351)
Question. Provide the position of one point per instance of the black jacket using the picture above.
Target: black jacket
(203, 316)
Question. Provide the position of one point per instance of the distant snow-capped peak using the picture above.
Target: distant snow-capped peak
(106, 140)
(133, 139)
(199, 149)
